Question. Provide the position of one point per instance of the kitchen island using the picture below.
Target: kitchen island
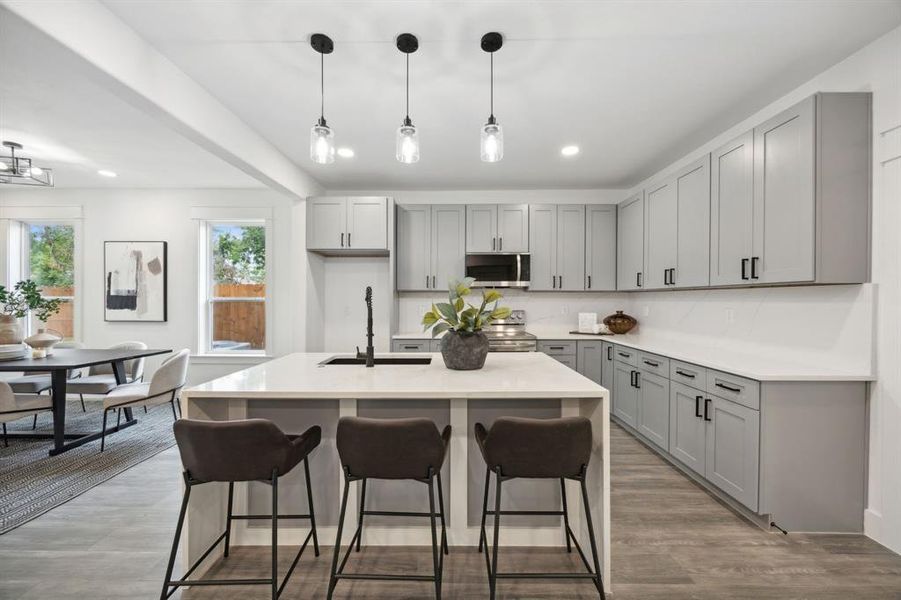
(298, 390)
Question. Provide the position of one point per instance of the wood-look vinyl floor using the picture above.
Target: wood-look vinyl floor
(670, 540)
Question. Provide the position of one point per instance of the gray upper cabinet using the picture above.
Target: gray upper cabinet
(497, 228)
(590, 360)
(692, 191)
(733, 449)
(630, 243)
(659, 234)
(600, 247)
(344, 225)
(731, 211)
(430, 246)
(653, 408)
(687, 428)
(557, 232)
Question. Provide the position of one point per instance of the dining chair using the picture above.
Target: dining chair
(18, 406)
(101, 380)
(164, 387)
(40, 382)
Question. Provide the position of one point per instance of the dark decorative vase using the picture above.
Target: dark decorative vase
(464, 351)
(620, 322)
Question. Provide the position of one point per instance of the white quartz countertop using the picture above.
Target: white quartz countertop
(754, 362)
(300, 375)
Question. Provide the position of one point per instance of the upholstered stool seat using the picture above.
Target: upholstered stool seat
(537, 449)
(237, 451)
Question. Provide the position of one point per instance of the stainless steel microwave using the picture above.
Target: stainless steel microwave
(498, 270)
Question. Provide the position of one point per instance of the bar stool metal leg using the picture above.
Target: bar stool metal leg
(333, 580)
(178, 527)
(566, 529)
(435, 551)
(441, 512)
(497, 533)
(362, 509)
(306, 472)
(598, 581)
(485, 505)
(228, 516)
(275, 589)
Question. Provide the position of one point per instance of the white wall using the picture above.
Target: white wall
(165, 215)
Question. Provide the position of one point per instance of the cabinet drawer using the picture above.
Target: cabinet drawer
(553, 348)
(625, 355)
(435, 346)
(688, 374)
(569, 361)
(732, 387)
(653, 363)
(410, 346)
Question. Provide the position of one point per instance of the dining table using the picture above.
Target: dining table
(59, 364)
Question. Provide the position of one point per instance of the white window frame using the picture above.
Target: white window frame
(15, 224)
(205, 288)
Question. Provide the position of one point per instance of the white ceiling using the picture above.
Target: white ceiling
(73, 125)
(635, 84)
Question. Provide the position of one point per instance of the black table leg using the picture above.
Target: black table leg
(119, 372)
(58, 389)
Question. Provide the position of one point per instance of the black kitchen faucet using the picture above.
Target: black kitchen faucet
(370, 351)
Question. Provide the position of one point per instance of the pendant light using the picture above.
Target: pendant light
(322, 138)
(407, 150)
(492, 136)
(18, 170)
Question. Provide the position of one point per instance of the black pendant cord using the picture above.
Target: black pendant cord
(322, 88)
(408, 89)
(492, 85)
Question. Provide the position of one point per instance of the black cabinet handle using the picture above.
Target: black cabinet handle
(561, 281)
(426, 281)
(672, 276)
(638, 279)
(624, 355)
(433, 282)
(651, 363)
(342, 240)
(684, 374)
(754, 260)
(411, 347)
(726, 387)
(554, 281)
(632, 378)
(609, 350)
(707, 402)
(493, 243)
(638, 379)
(555, 348)
(500, 244)
(744, 268)
(348, 239)
(698, 406)
(589, 282)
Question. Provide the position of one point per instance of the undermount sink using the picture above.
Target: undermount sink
(385, 360)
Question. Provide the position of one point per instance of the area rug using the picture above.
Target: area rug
(32, 482)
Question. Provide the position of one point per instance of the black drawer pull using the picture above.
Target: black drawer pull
(609, 350)
(651, 363)
(707, 402)
(556, 348)
(754, 260)
(744, 268)
(698, 406)
(417, 347)
(684, 374)
(726, 387)
(624, 355)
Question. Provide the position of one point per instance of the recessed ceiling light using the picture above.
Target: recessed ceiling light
(569, 150)
(345, 152)
(106, 173)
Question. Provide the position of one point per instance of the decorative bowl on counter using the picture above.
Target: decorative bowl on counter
(43, 341)
(620, 322)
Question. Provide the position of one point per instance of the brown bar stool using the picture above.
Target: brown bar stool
(230, 451)
(537, 449)
(391, 449)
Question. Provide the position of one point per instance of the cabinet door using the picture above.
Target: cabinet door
(413, 247)
(733, 449)
(543, 232)
(630, 243)
(659, 234)
(600, 247)
(687, 428)
(653, 408)
(367, 223)
(607, 369)
(731, 210)
(784, 201)
(625, 395)
(571, 247)
(326, 223)
(591, 360)
(693, 225)
(513, 228)
(448, 244)
(481, 228)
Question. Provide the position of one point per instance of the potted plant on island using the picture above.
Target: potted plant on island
(464, 347)
(16, 303)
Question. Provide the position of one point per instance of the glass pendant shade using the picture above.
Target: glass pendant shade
(407, 143)
(322, 144)
(492, 142)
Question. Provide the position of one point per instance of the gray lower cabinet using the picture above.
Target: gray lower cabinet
(591, 361)
(600, 247)
(564, 351)
(410, 346)
(733, 449)
(431, 247)
(567, 359)
(630, 243)
(687, 427)
(607, 369)
(653, 408)
(625, 394)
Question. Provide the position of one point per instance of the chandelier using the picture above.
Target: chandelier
(18, 170)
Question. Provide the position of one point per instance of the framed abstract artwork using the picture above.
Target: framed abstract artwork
(135, 275)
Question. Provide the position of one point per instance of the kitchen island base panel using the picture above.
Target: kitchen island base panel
(462, 481)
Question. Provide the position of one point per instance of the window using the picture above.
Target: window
(236, 288)
(49, 259)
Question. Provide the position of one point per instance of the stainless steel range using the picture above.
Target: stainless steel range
(510, 335)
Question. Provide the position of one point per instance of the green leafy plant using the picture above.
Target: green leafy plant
(459, 315)
(26, 296)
